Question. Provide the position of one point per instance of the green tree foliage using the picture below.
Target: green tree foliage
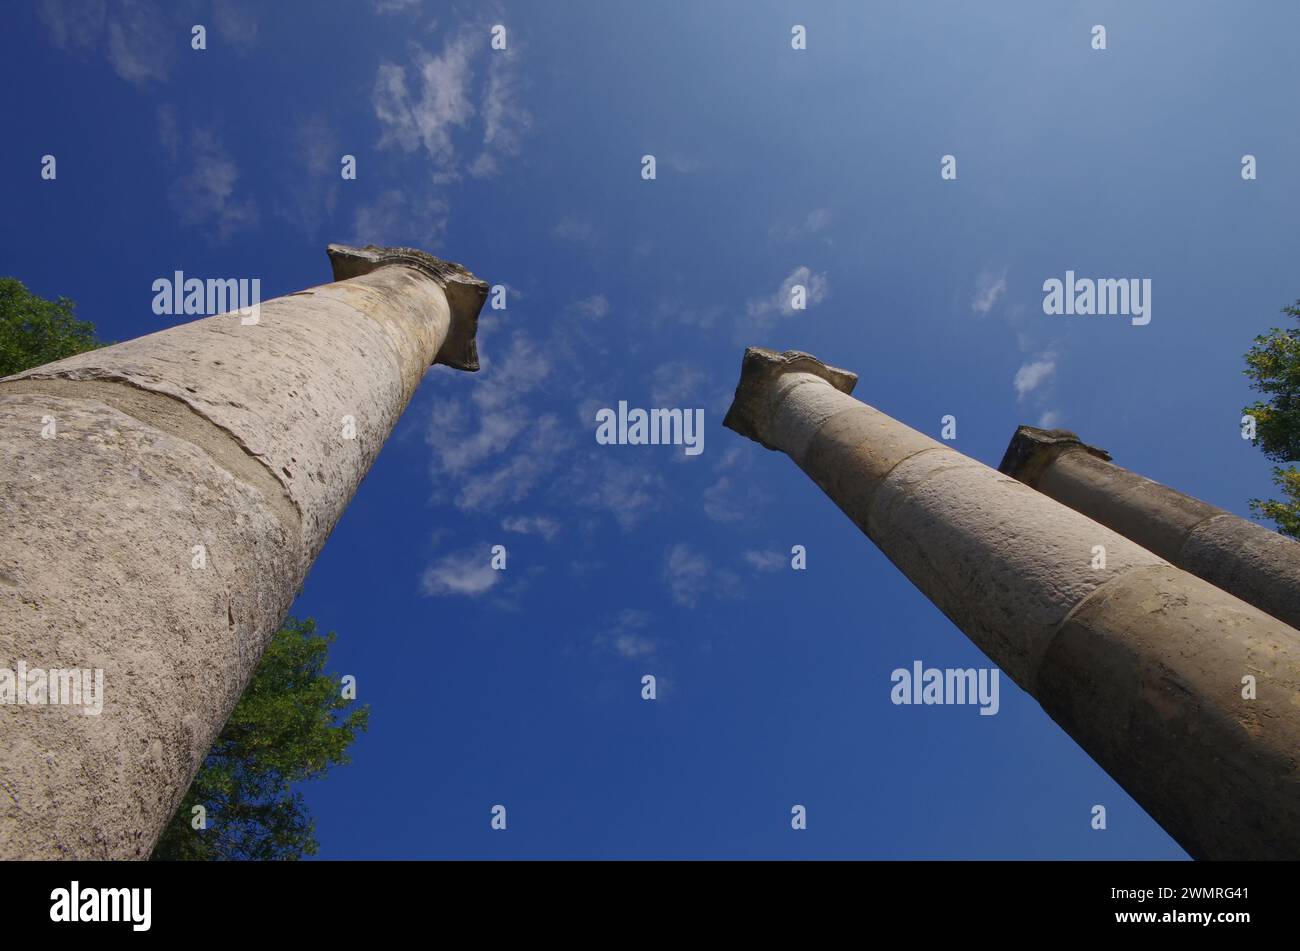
(35, 331)
(292, 724)
(1273, 366)
(1286, 513)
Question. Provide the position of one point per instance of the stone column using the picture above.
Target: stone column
(160, 503)
(1139, 662)
(1237, 555)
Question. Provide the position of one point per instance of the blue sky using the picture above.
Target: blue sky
(774, 166)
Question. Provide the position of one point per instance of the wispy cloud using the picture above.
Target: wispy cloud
(73, 24)
(693, 315)
(548, 528)
(690, 576)
(1034, 374)
(677, 384)
(573, 228)
(440, 103)
(138, 38)
(235, 24)
(310, 187)
(470, 438)
(762, 313)
(989, 288)
(732, 498)
(816, 221)
(625, 635)
(687, 574)
(765, 560)
(428, 105)
(139, 44)
(722, 501)
(595, 307)
(505, 120)
(399, 218)
(204, 196)
(628, 492)
(467, 573)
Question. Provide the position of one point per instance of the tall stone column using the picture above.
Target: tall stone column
(1139, 662)
(160, 503)
(1230, 552)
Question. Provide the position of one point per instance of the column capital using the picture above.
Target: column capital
(1032, 450)
(759, 372)
(465, 292)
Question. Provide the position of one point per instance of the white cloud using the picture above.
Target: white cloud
(431, 105)
(627, 492)
(398, 219)
(534, 456)
(765, 560)
(317, 144)
(469, 573)
(505, 120)
(625, 635)
(633, 646)
(738, 454)
(395, 6)
(730, 499)
(205, 195)
(690, 576)
(677, 384)
(309, 188)
(1050, 420)
(548, 528)
(989, 287)
(1034, 374)
(441, 103)
(235, 25)
(595, 307)
(687, 574)
(676, 310)
(762, 313)
(573, 228)
(817, 220)
(137, 37)
(169, 135)
(733, 497)
(721, 502)
(521, 370)
(73, 23)
(139, 43)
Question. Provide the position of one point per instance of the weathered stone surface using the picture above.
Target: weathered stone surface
(464, 292)
(213, 432)
(1245, 559)
(1032, 448)
(1257, 565)
(762, 384)
(1138, 661)
(1147, 676)
(98, 528)
(1005, 563)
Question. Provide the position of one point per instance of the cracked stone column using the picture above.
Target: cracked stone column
(1140, 662)
(115, 465)
(1232, 553)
